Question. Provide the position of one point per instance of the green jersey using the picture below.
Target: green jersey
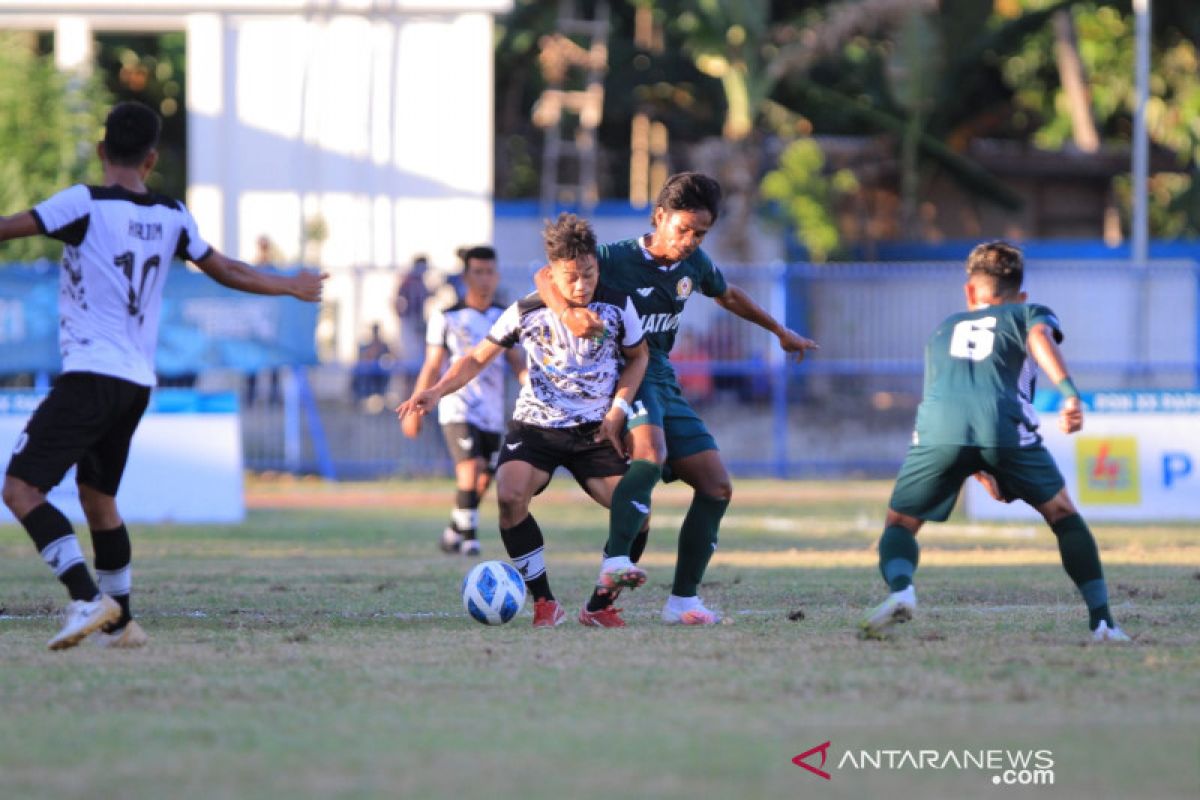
(979, 378)
(659, 293)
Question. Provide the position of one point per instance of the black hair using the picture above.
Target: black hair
(481, 252)
(1001, 262)
(568, 238)
(689, 191)
(131, 131)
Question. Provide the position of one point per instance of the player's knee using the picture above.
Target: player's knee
(720, 489)
(100, 509)
(903, 520)
(1057, 507)
(514, 506)
(20, 498)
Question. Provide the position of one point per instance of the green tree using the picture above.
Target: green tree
(49, 124)
(1106, 48)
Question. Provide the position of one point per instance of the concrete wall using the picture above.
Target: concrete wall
(373, 116)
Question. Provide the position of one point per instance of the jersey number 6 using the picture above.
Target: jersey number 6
(973, 338)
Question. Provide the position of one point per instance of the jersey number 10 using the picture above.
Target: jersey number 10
(973, 338)
(139, 280)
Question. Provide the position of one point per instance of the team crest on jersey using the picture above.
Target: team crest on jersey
(683, 289)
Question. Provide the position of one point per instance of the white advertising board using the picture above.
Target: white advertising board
(1137, 458)
(185, 464)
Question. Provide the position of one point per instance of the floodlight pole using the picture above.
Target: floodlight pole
(1141, 148)
(1139, 372)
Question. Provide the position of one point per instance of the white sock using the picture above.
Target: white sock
(681, 604)
(908, 594)
(616, 562)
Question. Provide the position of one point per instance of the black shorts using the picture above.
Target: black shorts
(465, 441)
(548, 449)
(87, 420)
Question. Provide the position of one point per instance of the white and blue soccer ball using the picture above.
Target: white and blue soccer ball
(493, 592)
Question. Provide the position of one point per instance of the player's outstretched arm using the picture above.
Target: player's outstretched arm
(738, 302)
(612, 427)
(1045, 352)
(305, 285)
(18, 226)
(582, 322)
(461, 372)
(435, 357)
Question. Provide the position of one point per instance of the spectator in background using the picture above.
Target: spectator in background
(410, 309)
(374, 367)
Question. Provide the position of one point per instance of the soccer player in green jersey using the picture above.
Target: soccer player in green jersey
(976, 418)
(660, 271)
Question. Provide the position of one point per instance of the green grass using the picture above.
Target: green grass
(323, 652)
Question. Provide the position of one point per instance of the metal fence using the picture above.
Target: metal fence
(847, 409)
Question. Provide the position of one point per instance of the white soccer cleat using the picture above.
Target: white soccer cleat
(83, 618)
(127, 638)
(450, 541)
(1103, 633)
(899, 607)
(469, 547)
(619, 572)
(688, 611)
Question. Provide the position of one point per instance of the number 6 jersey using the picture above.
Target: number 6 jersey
(979, 378)
(118, 248)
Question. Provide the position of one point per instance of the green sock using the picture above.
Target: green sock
(697, 541)
(630, 506)
(1081, 560)
(898, 557)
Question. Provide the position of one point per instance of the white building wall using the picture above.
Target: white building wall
(373, 116)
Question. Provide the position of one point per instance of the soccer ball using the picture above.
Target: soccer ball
(493, 592)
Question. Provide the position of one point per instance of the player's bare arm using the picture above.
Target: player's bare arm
(581, 321)
(435, 357)
(18, 226)
(612, 427)
(516, 362)
(736, 301)
(305, 285)
(461, 372)
(1041, 345)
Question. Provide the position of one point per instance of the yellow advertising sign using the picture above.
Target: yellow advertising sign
(1107, 469)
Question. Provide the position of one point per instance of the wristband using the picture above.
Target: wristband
(1066, 387)
(619, 402)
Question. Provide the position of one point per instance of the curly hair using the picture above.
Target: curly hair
(1001, 262)
(568, 237)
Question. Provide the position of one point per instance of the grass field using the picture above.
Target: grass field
(320, 650)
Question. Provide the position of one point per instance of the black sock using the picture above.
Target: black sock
(113, 554)
(465, 517)
(55, 540)
(525, 546)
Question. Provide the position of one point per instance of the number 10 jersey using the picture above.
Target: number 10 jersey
(118, 248)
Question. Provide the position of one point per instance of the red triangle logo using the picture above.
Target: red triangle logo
(823, 750)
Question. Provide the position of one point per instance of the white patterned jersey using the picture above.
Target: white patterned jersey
(571, 381)
(481, 402)
(118, 248)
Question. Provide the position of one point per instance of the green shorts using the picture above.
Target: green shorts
(662, 404)
(932, 475)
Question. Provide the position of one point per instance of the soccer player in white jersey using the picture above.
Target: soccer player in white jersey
(119, 241)
(571, 411)
(472, 418)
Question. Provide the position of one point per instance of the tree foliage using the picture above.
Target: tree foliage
(49, 124)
